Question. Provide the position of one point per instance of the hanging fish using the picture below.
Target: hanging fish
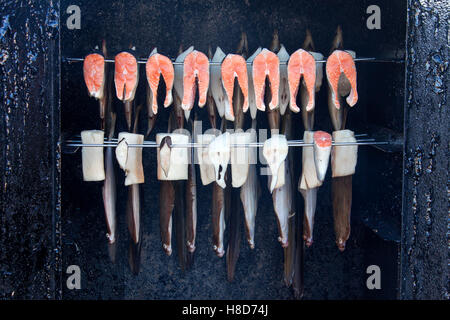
(250, 193)
(234, 66)
(219, 155)
(266, 64)
(283, 93)
(341, 76)
(94, 71)
(158, 65)
(195, 67)
(126, 79)
(251, 88)
(210, 102)
(191, 203)
(282, 203)
(302, 66)
(275, 151)
(216, 87)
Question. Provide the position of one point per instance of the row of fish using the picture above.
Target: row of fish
(283, 72)
(287, 75)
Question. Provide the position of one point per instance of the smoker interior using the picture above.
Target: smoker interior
(377, 187)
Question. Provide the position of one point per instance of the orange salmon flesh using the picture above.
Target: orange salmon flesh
(94, 73)
(125, 75)
(157, 65)
(341, 62)
(196, 66)
(322, 139)
(301, 64)
(234, 66)
(266, 63)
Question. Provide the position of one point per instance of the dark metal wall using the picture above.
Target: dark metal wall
(426, 193)
(29, 156)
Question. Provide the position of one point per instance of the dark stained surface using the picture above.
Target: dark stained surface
(425, 239)
(29, 130)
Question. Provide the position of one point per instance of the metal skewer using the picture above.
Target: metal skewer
(291, 143)
(369, 59)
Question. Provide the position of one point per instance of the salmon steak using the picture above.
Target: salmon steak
(302, 65)
(158, 65)
(126, 76)
(195, 67)
(266, 64)
(235, 66)
(342, 63)
(94, 74)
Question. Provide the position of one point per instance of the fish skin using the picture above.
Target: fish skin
(191, 205)
(151, 117)
(196, 65)
(251, 88)
(157, 65)
(235, 216)
(109, 196)
(166, 206)
(133, 212)
(266, 63)
(250, 193)
(234, 66)
(282, 203)
(341, 62)
(211, 108)
(322, 151)
(302, 65)
(342, 203)
(219, 154)
(218, 219)
(178, 69)
(216, 87)
(310, 200)
(284, 95)
(275, 151)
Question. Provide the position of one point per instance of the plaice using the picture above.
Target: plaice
(282, 203)
(275, 151)
(207, 172)
(219, 155)
(322, 151)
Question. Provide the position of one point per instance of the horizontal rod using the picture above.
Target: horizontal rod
(203, 145)
(70, 60)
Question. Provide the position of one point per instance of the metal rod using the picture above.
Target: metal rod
(368, 59)
(203, 145)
